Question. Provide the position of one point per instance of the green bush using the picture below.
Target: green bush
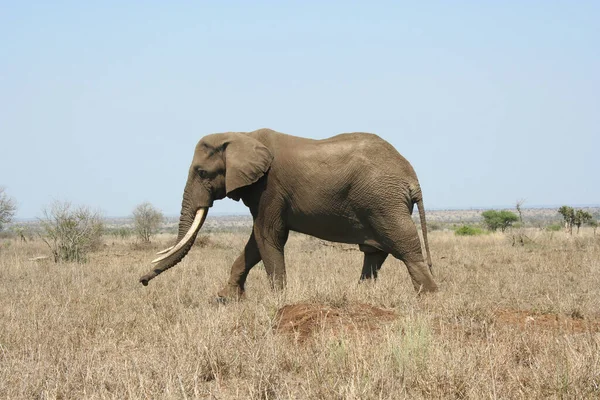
(554, 227)
(495, 220)
(467, 230)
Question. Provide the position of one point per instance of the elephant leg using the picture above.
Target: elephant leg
(405, 245)
(421, 275)
(270, 245)
(372, 263)
(240, 269)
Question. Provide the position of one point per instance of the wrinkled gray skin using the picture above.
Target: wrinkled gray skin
(351, 188)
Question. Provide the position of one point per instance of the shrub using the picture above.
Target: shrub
(121, 232)
(434, 226)
(8, 208)
(467, 230)
(22, 232)
(146, 221)
(495, 220)
(594, 224)
(70, 232)
(203, 241)
(554, 227)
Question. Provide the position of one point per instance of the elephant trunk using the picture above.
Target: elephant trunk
(187, 235)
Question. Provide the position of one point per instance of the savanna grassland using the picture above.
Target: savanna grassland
(509, 321)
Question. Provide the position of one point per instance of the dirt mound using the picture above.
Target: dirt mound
(305, 319)
(548, 321)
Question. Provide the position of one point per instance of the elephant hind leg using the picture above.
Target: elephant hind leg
(372, 263)
(421, 276)
(405, 245)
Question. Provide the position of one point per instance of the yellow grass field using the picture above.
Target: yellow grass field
(513, 322)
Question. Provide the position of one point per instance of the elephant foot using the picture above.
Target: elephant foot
(278, 283)
(367, 278)
(231, 292)
(431, 288)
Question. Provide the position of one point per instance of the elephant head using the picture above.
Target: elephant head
(223, 163)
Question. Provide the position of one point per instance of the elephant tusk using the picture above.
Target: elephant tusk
(164, 251)
(197, 224)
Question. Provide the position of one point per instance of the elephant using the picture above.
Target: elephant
(352, 188)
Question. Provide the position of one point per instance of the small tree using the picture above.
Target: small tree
(518, 206)
(581, 217)
(8, 208)
(70, 232)
(495, 220)
(21, 231)
(568, 215)
(146, 221)
(574, 217)
(594, 224)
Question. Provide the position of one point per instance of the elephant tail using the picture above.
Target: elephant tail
(417, 197)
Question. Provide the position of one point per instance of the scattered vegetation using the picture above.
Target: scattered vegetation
(509, 322)
(581, 217)
(433, 226)
(554, 227)
(575, 217)
(468, 230)
(568, 214)
(519, 207)
(594, 224)
(146, 221)
(495, 220)
(8, 208)
(71, 232)
(122, 232)
(22, 232)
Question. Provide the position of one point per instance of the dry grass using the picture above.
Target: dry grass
(509, 322)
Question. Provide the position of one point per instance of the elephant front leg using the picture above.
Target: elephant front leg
(271, 245)
(239, 270)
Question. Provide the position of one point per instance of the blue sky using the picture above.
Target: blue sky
(101, 103)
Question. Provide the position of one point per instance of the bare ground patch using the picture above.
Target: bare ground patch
(522, 319)
(303, 320)
(306, 319)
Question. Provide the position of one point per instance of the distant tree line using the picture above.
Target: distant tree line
(495, 220)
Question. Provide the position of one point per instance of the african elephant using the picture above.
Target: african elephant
(351, 188)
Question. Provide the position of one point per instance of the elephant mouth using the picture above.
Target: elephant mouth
(172, 255)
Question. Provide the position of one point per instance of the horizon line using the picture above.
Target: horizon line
(471, 208)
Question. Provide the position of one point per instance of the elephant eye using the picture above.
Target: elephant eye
(203, 174)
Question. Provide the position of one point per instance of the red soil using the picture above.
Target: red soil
(303, 320)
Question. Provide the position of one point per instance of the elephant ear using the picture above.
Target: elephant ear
(246, 161)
